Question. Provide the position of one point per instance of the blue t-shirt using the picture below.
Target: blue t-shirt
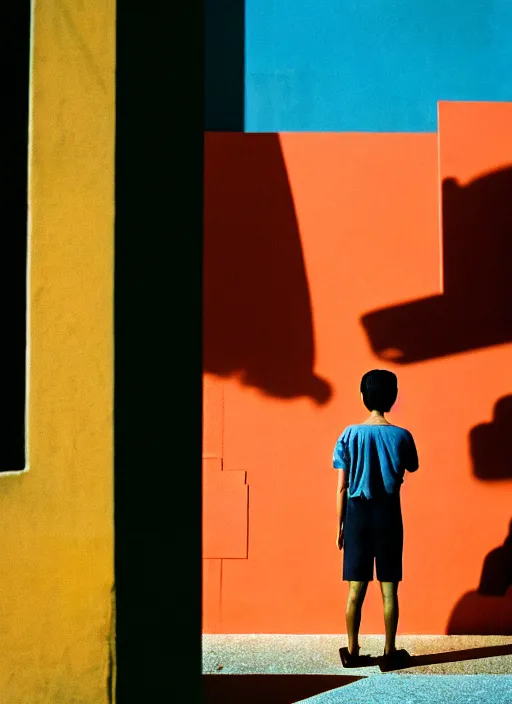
(376, 458)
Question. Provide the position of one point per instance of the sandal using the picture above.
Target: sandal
(350, 660)
(394, 661)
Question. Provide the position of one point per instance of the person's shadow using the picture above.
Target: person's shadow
(473, 311)
(490, 651)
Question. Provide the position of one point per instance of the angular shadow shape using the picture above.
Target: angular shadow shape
(257, 320)
(489, 443)
(474, 311)
(488, 611)
(271, 689)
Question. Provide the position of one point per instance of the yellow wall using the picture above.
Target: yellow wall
(56, 573)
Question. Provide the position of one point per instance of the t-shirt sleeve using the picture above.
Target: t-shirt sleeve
(411, 462)
(340, 458)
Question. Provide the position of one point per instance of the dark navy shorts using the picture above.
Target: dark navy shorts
(373, 532)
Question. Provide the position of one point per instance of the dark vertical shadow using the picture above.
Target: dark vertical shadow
(490, 448)
(256, 305)
(13, 277)
(475, 309)
(224, 97)
(271, 689)
(157, 361)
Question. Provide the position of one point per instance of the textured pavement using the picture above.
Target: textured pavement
(319, 655)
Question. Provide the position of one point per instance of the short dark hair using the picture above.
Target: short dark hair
(380, 389)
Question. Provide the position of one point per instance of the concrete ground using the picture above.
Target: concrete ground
(421, 689)
(307, 668)
(318, 655)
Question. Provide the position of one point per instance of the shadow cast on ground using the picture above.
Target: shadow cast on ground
(271, 689)
(491, 651)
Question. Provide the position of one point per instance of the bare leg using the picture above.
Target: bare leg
(390, 602)
(356, 595)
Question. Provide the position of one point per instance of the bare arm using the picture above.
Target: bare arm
(341, 505)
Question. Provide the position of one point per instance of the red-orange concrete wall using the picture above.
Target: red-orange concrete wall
(304, 235)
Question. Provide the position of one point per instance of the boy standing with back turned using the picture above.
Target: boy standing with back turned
(372, 457)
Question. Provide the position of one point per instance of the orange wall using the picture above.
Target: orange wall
(304, 235)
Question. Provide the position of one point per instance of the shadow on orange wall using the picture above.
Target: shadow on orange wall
(488, 610)
(257, 310)
(490, 447)
(497, 569)
(473, 311)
